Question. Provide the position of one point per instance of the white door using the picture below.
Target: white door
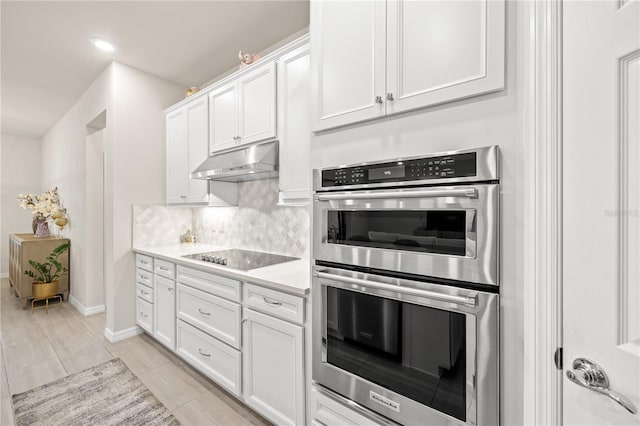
(223, 117)
(198, 142)
(164, 311)
(257, 104)
(273, 368)
(439, 51)
(348, 62)
(601, 201)
(177, 156)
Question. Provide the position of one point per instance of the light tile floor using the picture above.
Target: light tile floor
(39, 348)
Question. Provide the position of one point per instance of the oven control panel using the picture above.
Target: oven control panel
(416, 169)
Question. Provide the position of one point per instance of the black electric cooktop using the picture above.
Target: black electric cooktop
(244, 260)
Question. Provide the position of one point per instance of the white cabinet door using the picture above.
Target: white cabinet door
(197, 114)
(164, 311)
(439, 51)
(144, 314)
(294, 100)
(177, 156)
(348, 61)
(274, 368)
(257, 104)
(223, 117)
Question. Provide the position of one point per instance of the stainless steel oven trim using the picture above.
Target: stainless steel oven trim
(482, 348)
(478, 265)
(486, 170)
(457, 192)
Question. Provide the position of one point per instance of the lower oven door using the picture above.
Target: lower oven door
(415, 352)
(446, 232)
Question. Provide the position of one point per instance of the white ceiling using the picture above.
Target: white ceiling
(47, 60)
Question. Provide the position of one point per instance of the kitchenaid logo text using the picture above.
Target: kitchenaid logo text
(384, 401)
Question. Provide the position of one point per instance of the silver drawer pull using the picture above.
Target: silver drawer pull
(144, 262)
(143, 277)
(170, 288)
(144, 293)
(142, 314)
(203, 312)
(202, 353)
(272, 302)
(164, 268)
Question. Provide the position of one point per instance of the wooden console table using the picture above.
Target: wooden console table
(22, 248)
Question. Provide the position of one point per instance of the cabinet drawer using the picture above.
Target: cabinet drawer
(165, 269)
(216, 316)
(214, 284)
(273, 302)
(144, 262)
(328, 412)
(144, 277)
(144, 316)
(213, 358)
(144, 292)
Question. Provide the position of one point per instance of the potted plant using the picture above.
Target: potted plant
(46, 275)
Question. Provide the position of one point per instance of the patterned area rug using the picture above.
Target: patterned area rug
(107, 394)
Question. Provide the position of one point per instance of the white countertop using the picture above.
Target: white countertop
(292, 277)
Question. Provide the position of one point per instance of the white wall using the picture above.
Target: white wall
(63, 155)
(486, 120)
(135, 174)
(20, 172)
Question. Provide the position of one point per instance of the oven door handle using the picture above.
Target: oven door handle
(460, 192)
(469, 300)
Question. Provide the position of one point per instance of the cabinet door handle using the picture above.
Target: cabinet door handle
(142, 314)
(272, 302)
(389, 96)
(203, 312)
(378, 99)
(170, 288)
(202, 353)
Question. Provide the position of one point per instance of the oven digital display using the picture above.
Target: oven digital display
(382, 173)
(419, 169)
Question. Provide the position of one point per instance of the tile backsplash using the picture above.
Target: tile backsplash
(257, 223)
(155, 225)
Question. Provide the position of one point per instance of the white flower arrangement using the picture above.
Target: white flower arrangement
(45, 206)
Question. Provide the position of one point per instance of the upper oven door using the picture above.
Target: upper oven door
(446, 232)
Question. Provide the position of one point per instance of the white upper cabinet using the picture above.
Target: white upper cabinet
(243, 110)
(348, 61)
(257, 104)
(223, 103)
(294, 99)
(187, 138)
(378, 58)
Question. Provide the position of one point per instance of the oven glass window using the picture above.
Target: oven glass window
(429, 231)
(413, 350)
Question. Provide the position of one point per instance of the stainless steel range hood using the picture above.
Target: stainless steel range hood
(258, 161)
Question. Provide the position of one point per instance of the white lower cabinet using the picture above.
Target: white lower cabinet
(144, 314)
(247, 338)
(164, 312)
(274, 368)
(215, 359)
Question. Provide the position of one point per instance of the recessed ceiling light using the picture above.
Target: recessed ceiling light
(102, 44)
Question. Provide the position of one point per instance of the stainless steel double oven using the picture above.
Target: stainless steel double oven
(405, 289)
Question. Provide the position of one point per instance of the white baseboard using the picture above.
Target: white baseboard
(4, 275)
(84, 310)
(122, 334)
